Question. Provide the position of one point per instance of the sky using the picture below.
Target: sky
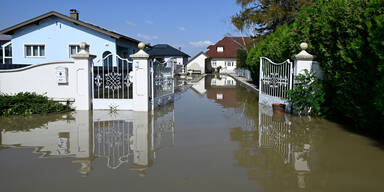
(189, 24)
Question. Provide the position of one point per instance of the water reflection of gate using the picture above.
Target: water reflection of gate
(113, 140)
(162, 82)
(275, 143)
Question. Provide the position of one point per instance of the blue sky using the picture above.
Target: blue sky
(189, 24)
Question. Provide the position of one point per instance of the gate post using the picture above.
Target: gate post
(141, 79)
(305, 61)
(83, 70)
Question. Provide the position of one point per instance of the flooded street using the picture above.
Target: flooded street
(214, 137)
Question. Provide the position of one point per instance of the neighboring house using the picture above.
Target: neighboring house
(54, 37)
(166, 52)
(197, 64)
(5, 53)
(223, 53)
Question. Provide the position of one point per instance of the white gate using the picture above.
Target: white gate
(112, 83)
(162, 78)
(275, 79)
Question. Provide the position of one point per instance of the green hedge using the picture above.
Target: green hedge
(28, 104)
(347, 36)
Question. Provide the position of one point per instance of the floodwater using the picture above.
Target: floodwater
(214, 137)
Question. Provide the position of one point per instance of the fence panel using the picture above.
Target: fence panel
(275, 78)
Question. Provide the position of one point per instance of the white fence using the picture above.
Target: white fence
(162, 82)
(112, 83)
(61, 81)
(275, 79)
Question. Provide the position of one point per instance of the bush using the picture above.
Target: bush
(347, 38)
(28, 104)
(307, 95)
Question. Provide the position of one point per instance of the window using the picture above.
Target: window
(229, 63)
(75, 49)
(6, 53)
(213, 63)
(220, 49)
(34, 50)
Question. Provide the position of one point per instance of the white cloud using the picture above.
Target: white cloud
(181, 28)
(148, 22)
(130, 23)
(200, 43)
(147, 37)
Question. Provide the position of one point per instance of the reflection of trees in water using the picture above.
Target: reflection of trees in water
(277, 152)
(25, 123)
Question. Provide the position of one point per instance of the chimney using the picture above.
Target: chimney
(74, 14)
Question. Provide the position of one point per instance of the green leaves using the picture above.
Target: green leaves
(28, 104)
(307, 95)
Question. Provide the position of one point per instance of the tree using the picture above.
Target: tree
(265, 15)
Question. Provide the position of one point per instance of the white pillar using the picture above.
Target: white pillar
(141, 79)
(83, 70)
(305, 61)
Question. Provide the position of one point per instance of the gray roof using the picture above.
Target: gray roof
(165, 50)
(5, 37)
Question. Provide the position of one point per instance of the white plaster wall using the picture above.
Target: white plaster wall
(197, 63)
(41, 79)
(224, 68)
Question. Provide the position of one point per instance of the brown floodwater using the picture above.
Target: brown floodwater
(214, 137)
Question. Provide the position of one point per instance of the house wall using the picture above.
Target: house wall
(179, 60)
(224, 68)
(56, 34)
(197, 63)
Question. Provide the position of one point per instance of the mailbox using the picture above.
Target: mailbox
(62, 75)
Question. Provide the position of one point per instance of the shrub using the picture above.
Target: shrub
(307, 95)
(347, 38)
(28, 104)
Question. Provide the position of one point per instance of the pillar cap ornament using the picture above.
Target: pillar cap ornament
(304, 55)
(141, 53)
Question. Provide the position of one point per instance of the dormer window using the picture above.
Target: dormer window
(220, 49)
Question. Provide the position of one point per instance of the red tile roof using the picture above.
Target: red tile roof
(229, 44)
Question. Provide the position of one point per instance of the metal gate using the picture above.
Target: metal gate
(112, 83)
(162, 78)
(275, 78)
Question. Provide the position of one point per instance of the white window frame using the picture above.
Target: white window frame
(214, 64)
(3, 47)
(69, 48)
(220, 49)
(38, 50)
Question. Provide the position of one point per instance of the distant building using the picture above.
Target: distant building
(167, 52)
(55, 37)
(197, 64)
(223, 53)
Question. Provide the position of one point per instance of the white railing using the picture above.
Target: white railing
(112, 80)
(241, 72)
(275, 78)
(162, 78)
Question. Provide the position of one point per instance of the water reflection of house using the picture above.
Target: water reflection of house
(126, 138)
(222, 90)
(198, 84)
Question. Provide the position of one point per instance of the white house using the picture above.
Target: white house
(197, 64)
(56, 37)
(223, 53)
